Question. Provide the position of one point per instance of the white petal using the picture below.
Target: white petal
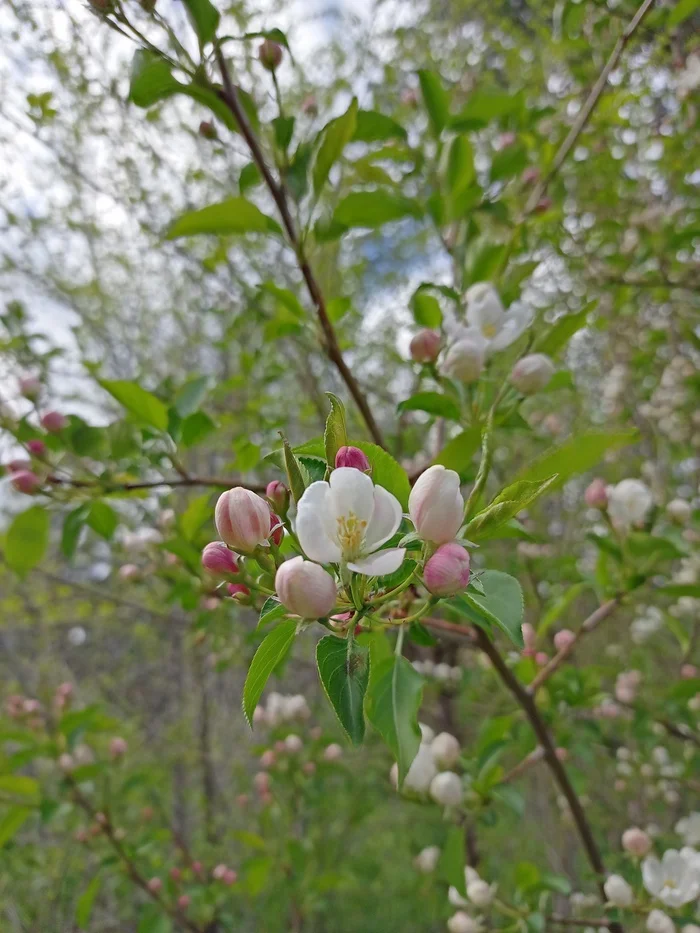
(311, 525)
(652, 874)
(385, 520)
(484, 308)
(516, 321)
(379, 563)
(351, 491)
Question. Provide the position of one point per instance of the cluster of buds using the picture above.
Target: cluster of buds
(26, 709)
(431, 771)
(654, 778)
(442, 672)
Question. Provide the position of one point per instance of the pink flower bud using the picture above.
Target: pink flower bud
(30, 387)
(261, 782)
(689, 671)
(36, 448)
(305, 588)
(636, 842)
(596, 495)
(175, 874)
(230, 878)
(268, 759)
(505, 140)
(447, 571)
(19, 466)
(276, 529)
(436, 505)
(184, 901)
(53, 422)
(242, 519)
(207, 130)
(128, 572)
(529, 636)
(532, 373)
(425, 346)
(278, 496)
(65, 689)
(197, 868)
(26, 481)
(563, 639)
(541, 658)
(309, 105)
(409, 97)
(216, 558)
(238, 591)
(211, 603)
(543, 205)
(332, 752)
(270, 55)
(530, 175)
(219, 871)
(352, 457)
(117, 747)
(155, 885)
(464, 361)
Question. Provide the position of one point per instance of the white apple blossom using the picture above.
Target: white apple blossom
(689, 828)
(629, 502)
(347, 520)
(480, 892)
(420, 774)
(464, 360)
(675, 880)
(618, 891)
(462, 922)
(453, 896)
(427, 859)
(489, 321)
(659, 922)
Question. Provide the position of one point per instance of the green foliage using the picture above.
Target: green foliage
(27, 539)
(232, 216)
(343, 667)
(272, 650)
(392, 704)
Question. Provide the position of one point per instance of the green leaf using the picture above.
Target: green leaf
(191, 396)
(284, 130)
(73, 524)
(681, 12)
(343, 666)
(12, 822)
(250, 177)
(453, 859)
(271, 651)
(483, 106)
(335, 136)
(426, 309)
(151, 79)
(483, 259)
(387, 472)
(336, 433)
(373, 208)
(18, 785)
(198, 511)
(508, 162)
(234, 215)
(294, 474)
(272, 611)
(371, 127)
(195, 428)
(393, 700)
(27, 539)
(337, 308)
(204, 17)
(577, 455)
(145, 406)
(502, 605)
(563, 330)
(436, 99)
(458, 453)
(460, 166)
(102, 519)
(153, 920)
(83, 907)
(433, 402)
(506, 505)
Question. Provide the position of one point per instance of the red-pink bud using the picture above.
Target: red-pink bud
(216, 558)
(53, 422)
(197, 868)
(543, 205)
(242, 519)
(505, 140)
(30, 387)
(207, 130)
(268, 759)
(353, 457)
(596, 495)
(230, 877)
(276, 529)
(278, 496)
(409, 97)
(689, 671)
(183, 901)
(561, 753)
(447, 571)
(175, 874)
(154, 885)
(238, 591)
(270, 55)
(128, 572)
(309, 768)
(530, 175)
(425, 346)
(563, 639)
(26, 481)
(541, 658)
(65, 689)
(261, 782)
(36, 448)
(19, 466)
(117, 747)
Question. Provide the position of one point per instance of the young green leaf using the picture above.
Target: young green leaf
(578, 454)
(336, 434)
(436, 99)
(371, 127)
(85, 902)
(432, 402)
(426, 309)
(563, 330)
(204, 17)
(234, 215)
(271, 651)
(460, 166)
(343, 667)
(373, 208)
(143, 405)
(151, 79)
(458, 453)
(453, 859)
(12, 822)
(393, 701)
(506, 505)
(272, 611)
(335, 136)
(502, 605)
(27, 540)
(297, 485)
(102, 519)
(387, 472)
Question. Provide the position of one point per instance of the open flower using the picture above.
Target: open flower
(689, 828)
(675, 880)
(347, 520)
(489, 321)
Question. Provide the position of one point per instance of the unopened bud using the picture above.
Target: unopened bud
(309, 105)
(689, 671)
(447, 571)
(30, 387)
(117, 747)
(36, 448)
(446, 789)
(230, 877)
(530, 175)
(305, 588)
(184, 901)
(53, 422)
(409, 97)
(217, 559)
(425, 346)
(238, 591)
(678, 510)
(175, 874)
(532, 373)
(353, 457)
(529, 637)
(270, 55)
(66, 763)
(19, 466)
(596, 495)
(541, 658)
(207, 130)
(268, 759)
(464, 361)
(155, 885)
(293, 744)
(276, 529)
(278, 496)
(26, 481)
(242, 519)
(563, 639)
(332, 752)
(128, 572)
(636, 842)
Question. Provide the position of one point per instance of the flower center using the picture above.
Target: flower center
(669, 883)
(489, 330)
(351, 535)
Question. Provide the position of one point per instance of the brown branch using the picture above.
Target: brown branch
(229, 95)
(587, 109)
(593, 620)
(215, 482)
(578, 922)
(527, 704)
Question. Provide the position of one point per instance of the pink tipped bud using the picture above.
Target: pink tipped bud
(689, 671)
(216, 558)
(268, 759)
(207, 130)
(128, 572)
(563, 639)
(81, 835)
(238, 591)
(261, 782)
(270, 55)
(596, 495)
(242, 519)
(184, 901)
(36, 448)
(409, 97)
(19, 466)
(309, 105)
(30, 387)
(529, 637)
(541, 658)
(505, 140)
(102, 819)
(530, 175)
(353, 457)
(155, 885)
(532, 373)
(53, 422)
(561, 753)
(425, 346)
(65, 689)
(276, 529)
(543, 205)
(464, 361)
(278, 496)
(293, 744)
(636, 842)
(305, 588)
(175, 874)
(332, 752)
(436, 505)
(117, 747)
(219, 872)
(447, 571)
(26, 481)
(230, 878)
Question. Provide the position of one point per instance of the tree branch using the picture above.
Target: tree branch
(230, 97)
(215, 482)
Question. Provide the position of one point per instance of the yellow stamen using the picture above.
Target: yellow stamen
(351, 535)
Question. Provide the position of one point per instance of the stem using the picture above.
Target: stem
(332, 348)
(215, 482)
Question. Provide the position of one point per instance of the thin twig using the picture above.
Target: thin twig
(215, 482)
(229, 95)
(587, 109)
